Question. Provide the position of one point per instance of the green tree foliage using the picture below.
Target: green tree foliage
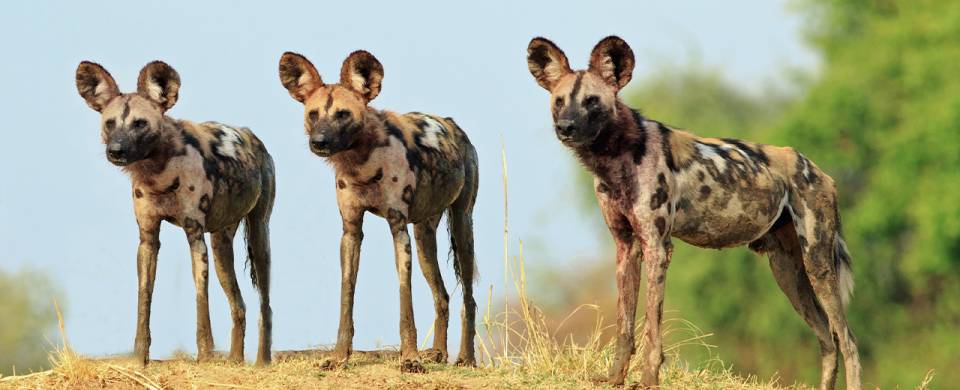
(27, 321)
(884, 119)
(882, 116)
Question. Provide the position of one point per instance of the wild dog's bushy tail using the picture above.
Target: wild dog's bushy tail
(843, 265)
(257, 230)
(460, 222)
(460, 229)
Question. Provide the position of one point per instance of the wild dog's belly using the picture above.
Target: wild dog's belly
(185, 192)
(725, 209)
(233, 199)
(436, 191)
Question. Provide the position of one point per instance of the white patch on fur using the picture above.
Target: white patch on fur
(154, 91)
(358, 83)
(100, 89)
(729, 147)
(304, 78)
(707, 152)
(844, 274)
(229, 141)
(432, 133)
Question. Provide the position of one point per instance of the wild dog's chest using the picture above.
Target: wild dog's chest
(382, 181)
(180, 191)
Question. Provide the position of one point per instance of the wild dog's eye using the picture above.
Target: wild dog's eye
(558, 103)
(139, 124)
(342, 114)
(591, 101)
(110, 124)
(314, 115)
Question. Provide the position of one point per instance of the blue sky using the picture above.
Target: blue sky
(66, 211)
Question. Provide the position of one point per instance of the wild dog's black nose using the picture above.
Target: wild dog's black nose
(116, 152)
(318, 144)
(565, 127)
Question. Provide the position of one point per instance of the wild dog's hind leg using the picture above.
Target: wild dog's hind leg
(146, 274)
(425, 234)
(257, 229)
(460, 221)
(783, 249)
(409, 357)
(198, 252)
(349, 261)
(222, 243)
(815, 219)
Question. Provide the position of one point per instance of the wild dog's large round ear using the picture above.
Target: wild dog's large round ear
(612, 59)
(298, 76)
(160, 83)
(547, 62)
(95, 85)
(363, 73)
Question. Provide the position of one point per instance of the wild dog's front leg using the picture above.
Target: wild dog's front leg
(409, 357)
(656, 256)
(146, 274)
(349, 262)
(628, 282)
(628, 285)
(198, 251)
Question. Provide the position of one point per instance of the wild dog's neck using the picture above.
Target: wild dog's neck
(623, 138)
(166, 147)
(371, 134)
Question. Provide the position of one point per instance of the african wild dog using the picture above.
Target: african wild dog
(205, 177)
(653, 182)
(407, 168)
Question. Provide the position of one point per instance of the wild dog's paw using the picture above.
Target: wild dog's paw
(412, 366)
(332, 363)
(434, 355)
(466, 362)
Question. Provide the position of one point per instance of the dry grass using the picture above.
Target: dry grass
(517, 349)
(301, 372)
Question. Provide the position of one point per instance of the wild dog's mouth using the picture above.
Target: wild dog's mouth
(322, 152)
(119, 161)
(566, 139)
(572, 141)
(325, 148)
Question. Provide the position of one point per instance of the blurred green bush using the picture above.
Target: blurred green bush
(27, 321)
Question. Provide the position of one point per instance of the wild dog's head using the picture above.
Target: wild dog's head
(583, 102)
(333, 114)
(130, 123)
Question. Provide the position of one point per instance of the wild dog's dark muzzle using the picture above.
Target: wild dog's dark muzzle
(565, 127)
(117, 154)
(320, 144)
